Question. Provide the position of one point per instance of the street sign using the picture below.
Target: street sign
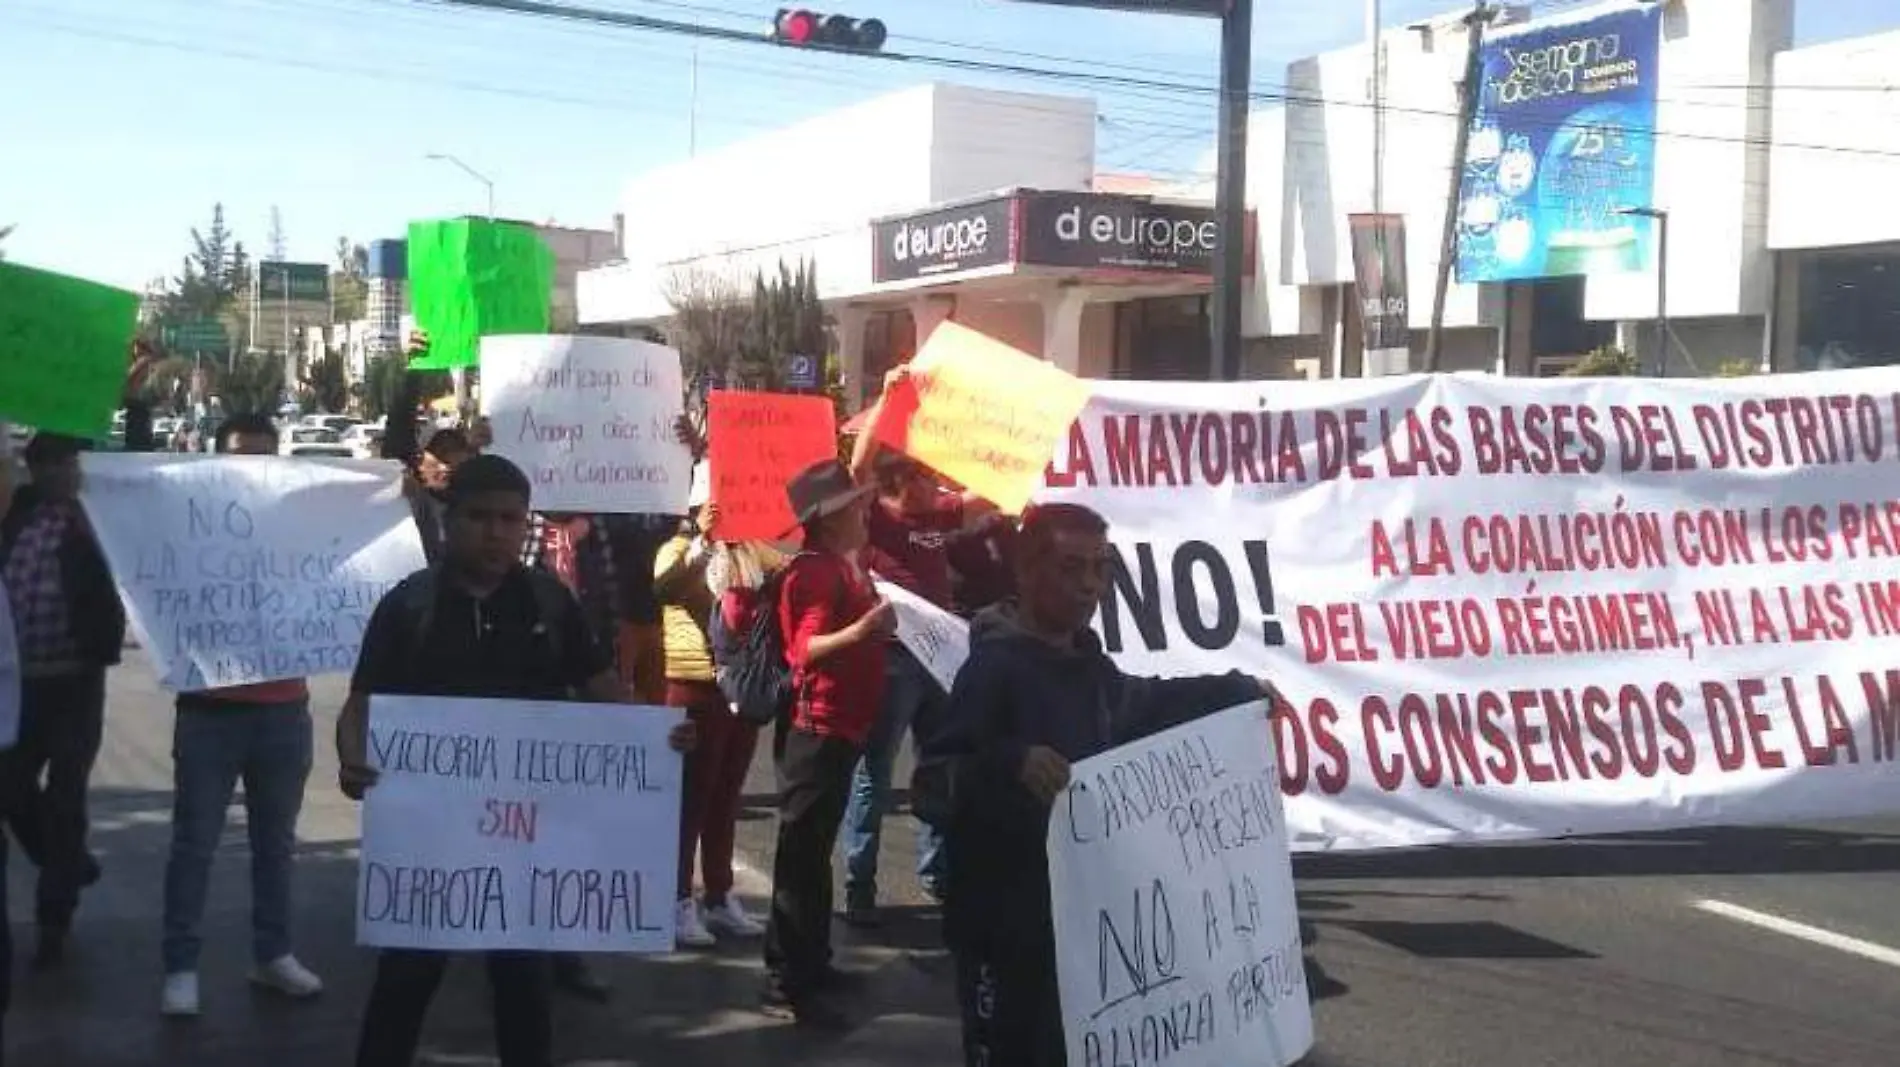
(304, 281)
(1214, 8)
(206, 335)
(801, 372)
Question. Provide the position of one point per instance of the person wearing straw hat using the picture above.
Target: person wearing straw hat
(836, 630)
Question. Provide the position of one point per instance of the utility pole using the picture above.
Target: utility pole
(1230, 193)
(1373, 20)
(1469, 93)
(692, 114)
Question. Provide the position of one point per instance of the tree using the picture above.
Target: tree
(349, 287)
(787, 320)
(708, 327)
(252, 384)
(274, 242)
(328, 383)
(210, 279)
(5, 232)
(1606, 362)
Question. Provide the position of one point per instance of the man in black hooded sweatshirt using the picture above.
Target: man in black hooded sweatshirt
(1037, 694)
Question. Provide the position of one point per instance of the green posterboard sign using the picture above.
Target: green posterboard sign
(473, 277)
(64, 345)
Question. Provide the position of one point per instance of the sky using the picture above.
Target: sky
(123, 121)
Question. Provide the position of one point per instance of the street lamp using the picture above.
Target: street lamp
(1661, 218)
(443, 157)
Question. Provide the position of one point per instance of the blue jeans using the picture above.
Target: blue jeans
(913, 703)
(268, 748)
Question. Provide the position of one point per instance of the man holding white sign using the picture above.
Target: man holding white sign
(1036, 694)
(477, 625)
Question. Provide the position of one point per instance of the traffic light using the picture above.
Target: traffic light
(809, 29)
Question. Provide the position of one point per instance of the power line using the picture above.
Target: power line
(541, 9)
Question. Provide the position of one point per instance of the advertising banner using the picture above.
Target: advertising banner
(243, 569)
(1564, 138)
(1177, 935)
(946, 241)
(1378, 264)
(1510, 608)
(520, 825)
(1096, 231)
(591, 421)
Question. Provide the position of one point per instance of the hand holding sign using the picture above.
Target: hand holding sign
(981, 413)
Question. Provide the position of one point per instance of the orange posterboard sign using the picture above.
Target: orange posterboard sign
(981, 413)
(755, 443)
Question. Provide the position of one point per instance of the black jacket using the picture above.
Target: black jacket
(97, 619)
(1017, 691)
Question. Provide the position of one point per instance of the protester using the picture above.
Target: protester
(477, 625)
(260, 735)
(982, 564)
(1036, 694)
(911, 521)
(715, 772)
(446, 450)
(70, 630)
(835, 629)
(10, 696)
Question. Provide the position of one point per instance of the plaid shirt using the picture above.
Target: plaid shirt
(596, 571)
(35, 591)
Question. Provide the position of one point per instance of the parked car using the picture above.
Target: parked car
(300, 440)
(334, 423)
(364, 440)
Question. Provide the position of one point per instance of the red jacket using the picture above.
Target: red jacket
(840, 695)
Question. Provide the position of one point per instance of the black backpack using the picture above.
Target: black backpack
(750, 666)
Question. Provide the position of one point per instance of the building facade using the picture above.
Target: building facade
(1767, 167)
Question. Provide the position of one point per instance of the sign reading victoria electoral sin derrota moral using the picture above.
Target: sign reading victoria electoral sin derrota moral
(943, 241)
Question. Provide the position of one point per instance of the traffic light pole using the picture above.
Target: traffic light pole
(1230, 193)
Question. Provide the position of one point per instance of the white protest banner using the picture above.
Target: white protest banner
(939, 640)
(9, 671)
(503, 824)
(243, 569)
(1510, 608)
(590, 419)
(1177, 935)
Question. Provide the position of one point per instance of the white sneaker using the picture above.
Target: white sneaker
(285, 975)
(692, 932)
(180, 998)
(729, 917)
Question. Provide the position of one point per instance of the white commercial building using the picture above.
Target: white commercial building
(1769, 163)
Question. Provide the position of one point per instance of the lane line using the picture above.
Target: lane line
(1814, 935)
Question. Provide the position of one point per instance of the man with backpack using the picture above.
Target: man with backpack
(834, 630)
(477, 625)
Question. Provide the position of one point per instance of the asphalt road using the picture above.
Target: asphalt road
(1625, 951)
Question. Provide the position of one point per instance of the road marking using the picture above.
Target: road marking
(1815, 935)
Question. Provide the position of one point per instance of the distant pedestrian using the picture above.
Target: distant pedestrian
(71, 630)
(259, 735)
(476, 625)
(836, 630)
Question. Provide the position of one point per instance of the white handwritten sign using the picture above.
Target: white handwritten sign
(939, 640)
(243, 569)
(1177, 937)
(590, 419)
(501, 824)
(9, 671)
